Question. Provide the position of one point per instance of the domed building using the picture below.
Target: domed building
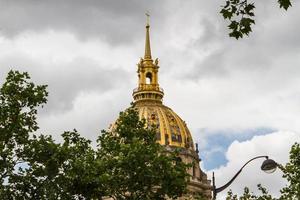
(172, 130)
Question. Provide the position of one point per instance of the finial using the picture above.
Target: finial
(147, 43)
(148, 17)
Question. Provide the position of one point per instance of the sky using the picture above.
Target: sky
(240, 98)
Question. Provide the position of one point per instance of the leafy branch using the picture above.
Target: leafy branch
(240, 14)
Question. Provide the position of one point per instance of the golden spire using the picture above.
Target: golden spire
(147, 43)
(148, 88)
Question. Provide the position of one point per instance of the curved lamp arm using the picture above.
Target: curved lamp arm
(217, 190)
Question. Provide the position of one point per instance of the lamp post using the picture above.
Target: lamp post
(268, 166)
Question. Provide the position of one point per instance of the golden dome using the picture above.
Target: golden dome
(171, 129)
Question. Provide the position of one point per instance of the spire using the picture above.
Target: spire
(147, 43)
(148, 88)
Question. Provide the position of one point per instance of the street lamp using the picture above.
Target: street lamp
(268, 166)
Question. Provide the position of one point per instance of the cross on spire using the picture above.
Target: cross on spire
(148, 17)
(147, 43)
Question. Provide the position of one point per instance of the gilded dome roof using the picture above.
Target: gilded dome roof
(171, 129)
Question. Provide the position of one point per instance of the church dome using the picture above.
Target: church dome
(171, 129)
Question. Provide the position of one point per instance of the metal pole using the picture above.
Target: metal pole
(217, 190)
(214, 186)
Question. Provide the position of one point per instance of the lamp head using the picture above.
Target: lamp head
(269, 166)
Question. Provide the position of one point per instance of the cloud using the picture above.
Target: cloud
(91, 112)
(214, 143)
(85, 78)
(68, 70)
(113, 21)
(209, 67)
(275, 145)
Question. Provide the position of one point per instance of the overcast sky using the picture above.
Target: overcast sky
(239, 98)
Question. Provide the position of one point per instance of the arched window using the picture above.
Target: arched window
(148, 78)
(166, 139)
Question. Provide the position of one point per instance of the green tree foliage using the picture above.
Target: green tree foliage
(137, 167)
(240, 14)
(291, 171)
(247, 195)
(54, 171)
(34, 166)
(18, 101)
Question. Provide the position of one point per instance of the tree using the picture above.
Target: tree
(34, 166)
(128, 163)
(18, 101)
(240, 14)
(137, 166)
(55, 171)
(291, 171)
(247, 195)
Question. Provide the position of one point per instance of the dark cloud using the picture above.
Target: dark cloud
(211, 66)
(274, 37)
(113, 21)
